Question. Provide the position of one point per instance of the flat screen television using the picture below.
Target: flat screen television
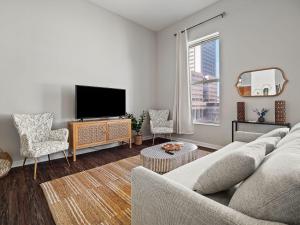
(97, 102)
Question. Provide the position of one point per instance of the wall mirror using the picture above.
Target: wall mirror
(261, 83)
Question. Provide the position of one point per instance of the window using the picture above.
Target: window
(203, 63)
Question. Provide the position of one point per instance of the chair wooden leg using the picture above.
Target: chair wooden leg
(74, 154)
(35, 168)
(24, 161)
(153, 139)
(49, 158)
(66, 157)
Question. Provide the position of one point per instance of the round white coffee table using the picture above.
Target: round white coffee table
(157, 160)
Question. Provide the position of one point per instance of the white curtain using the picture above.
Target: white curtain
(182, 114)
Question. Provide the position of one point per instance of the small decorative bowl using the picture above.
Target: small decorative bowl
(172, 147)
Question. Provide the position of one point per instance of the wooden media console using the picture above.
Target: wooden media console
(98, 132)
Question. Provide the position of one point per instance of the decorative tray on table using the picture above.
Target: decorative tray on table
(169, 147)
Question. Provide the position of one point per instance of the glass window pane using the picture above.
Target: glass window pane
(204, 72)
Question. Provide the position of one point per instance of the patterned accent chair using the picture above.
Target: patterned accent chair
(37, 139)
(159, 123)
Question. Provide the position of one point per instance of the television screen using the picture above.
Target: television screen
(96, 102)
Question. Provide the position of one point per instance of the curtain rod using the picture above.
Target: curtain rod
(212, 18)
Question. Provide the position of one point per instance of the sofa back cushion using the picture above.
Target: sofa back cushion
(270, 143)
(231, 169)
(273, 191)
(289, 138)
(245, 136)
(296, 127)
(279, 132)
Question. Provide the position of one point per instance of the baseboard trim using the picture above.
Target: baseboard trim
(199, 143)
(59, 155)
(19, 163)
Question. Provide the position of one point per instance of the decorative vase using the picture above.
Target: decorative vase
(261, 119)
(138, 139)
(241, 111)
(280, 112)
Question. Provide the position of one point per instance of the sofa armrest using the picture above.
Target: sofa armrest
(244, 136)
(161, 201)
(59, 135)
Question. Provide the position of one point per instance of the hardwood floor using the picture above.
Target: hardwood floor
(21, 198)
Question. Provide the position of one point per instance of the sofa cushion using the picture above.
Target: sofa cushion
(289, 138)
(273, 191)
(296, 127)
(290, 147)
(279, 132)
(270, 143)
(223, 197)
(188, 174)
(231, 169)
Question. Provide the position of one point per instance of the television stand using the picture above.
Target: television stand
(85, 134)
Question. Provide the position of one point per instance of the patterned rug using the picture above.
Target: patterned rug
(96, 196)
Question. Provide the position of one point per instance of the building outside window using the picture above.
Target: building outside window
(203, 63)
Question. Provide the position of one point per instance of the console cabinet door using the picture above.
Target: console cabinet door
(89, 134)
(117, 130)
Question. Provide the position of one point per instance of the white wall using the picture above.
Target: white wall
(254, 34)
(48, 46)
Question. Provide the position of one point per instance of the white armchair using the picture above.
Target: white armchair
(159, 123)
(37, 139)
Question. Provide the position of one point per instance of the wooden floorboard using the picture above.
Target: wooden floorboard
(22, 201)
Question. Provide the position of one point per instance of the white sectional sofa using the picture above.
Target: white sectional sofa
(170, 199)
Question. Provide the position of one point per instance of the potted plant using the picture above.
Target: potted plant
(136, 126)
(261, 114)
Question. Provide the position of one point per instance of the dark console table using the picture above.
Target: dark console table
(235, 125)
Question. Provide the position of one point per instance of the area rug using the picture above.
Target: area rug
(96, 196)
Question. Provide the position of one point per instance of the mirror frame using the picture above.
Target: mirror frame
(268, 68)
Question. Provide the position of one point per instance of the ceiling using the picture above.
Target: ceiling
(154, 14)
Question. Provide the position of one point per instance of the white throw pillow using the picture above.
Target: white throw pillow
(231, 169)
(279, 132)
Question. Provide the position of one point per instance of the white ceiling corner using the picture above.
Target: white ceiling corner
(154, 14)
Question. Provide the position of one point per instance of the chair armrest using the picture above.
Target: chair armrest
(151, 126)
(169, 123)
(26, 143)
(59, 135)
(160, 201)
